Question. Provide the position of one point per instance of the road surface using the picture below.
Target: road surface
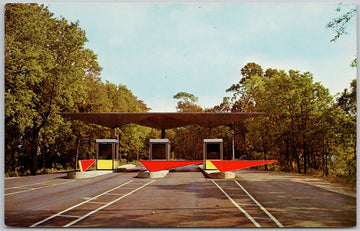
(185, 198)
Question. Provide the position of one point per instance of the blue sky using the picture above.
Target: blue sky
(160, 49)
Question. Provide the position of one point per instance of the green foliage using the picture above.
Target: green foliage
(345, 158)
(187, 102)
(304, 128)
(347, 100)
(48, 70)
(187, 141)
(354, 63)
(338, 24)
(45, 63)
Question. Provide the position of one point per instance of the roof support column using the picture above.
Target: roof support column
(211, 133)
(162, 133)
(233, 141)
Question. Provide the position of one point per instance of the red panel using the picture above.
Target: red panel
(158, 165)
(229, 165)
(85, 164)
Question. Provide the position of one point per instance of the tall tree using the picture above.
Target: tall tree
(188, 140)
(347, 100)
(243, 101)
(45, 67)
(187, 102)
(346, 158)
(299, 111)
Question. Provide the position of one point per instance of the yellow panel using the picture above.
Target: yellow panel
(209, 165)
(116, 163)
(104, 164)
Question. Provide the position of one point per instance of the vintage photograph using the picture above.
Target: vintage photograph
(180, 114)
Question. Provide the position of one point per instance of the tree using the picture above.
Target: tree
(47, 71)
(243, 101)
(294, 104)
(187, 102)
(339, 25)
(346, 142)
(45, 65)
(347, 100)
(188, 140)
(298, 129)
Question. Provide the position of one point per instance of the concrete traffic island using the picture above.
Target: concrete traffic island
(128, 168)
(216, 174)
(87, 174)
(157, 174)
(95, 173)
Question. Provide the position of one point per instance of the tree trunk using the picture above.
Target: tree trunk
(296, 158)
(295, 153)
(305, 157)
(264, 148)
(324, 157)
(34, 150)
(13, 162)
(287, 153)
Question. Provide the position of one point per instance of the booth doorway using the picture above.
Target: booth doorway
(160, 149)
(107, 154)
(213, 150)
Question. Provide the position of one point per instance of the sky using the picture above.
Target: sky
(157, 49)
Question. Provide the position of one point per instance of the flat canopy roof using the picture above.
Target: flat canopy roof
(161, 120)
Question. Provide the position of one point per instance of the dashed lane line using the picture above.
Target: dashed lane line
(32, 189)
(238, 206)
(252, 219)
(90, 200)
(77, 205)
(106, 205)
(261, 207)
(23, 186)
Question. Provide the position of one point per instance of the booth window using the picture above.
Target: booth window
(213, 151)
(105, 151)
(159, 151)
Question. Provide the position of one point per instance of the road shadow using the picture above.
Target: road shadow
(295, 204)
(167, 218)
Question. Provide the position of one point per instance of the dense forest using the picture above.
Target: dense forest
(305, 128)
(48, 70)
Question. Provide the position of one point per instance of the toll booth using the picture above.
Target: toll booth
(160, 149)
(213, 150)
(107, 154)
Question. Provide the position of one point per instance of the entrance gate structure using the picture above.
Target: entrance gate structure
(160, 149)
(163, 121)
(107, 154)
(213, 150)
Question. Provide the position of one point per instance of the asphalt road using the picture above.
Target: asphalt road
(185, 198)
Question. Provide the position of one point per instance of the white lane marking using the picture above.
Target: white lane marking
(77, 205)
(21, 186)
(238, 206)
(68, 216)
(7, 194)
(110, 203)
(115, 194)
(95, 202)
(262, 208)
(32, 189)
